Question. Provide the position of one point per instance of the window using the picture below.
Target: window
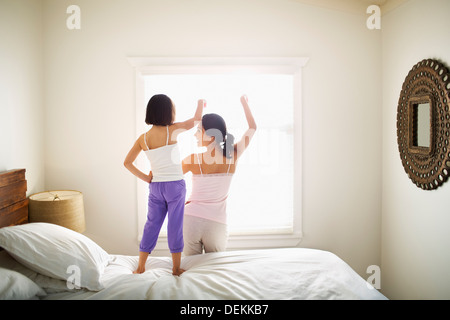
(264, 205)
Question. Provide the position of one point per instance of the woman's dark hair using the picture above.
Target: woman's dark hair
(215, 126)
(160, 110)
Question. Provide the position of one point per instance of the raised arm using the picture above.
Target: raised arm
(189, 124)
(240, 147)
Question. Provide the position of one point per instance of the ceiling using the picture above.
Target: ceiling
(355, 6)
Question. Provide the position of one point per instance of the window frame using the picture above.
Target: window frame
(225, 65)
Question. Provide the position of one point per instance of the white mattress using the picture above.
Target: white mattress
(251, 275)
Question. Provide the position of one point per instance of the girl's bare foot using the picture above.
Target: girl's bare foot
(139, 270)
(141, 264)
(177, 271)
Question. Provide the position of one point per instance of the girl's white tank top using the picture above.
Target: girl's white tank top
(165, 161)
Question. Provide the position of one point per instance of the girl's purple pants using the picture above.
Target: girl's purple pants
(165, 198)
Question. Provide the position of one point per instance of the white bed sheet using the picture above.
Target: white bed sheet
(274, 274)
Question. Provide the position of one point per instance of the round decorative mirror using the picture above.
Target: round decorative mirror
(423, 124)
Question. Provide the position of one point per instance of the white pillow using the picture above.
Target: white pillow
(15, 286)
(50, 285)
(56, 252)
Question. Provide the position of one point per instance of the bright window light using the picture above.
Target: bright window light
(265, 202)
(261, 199)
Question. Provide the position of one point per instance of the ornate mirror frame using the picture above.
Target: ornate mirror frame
(426, 163)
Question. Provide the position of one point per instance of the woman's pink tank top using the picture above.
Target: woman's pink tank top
(209, 195)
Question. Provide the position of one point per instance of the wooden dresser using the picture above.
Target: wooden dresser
(13, 199)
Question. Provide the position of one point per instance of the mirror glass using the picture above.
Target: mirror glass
(421, 125)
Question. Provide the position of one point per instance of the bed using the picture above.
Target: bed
(49, 262)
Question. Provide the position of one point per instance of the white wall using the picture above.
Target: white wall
(90, 115)
(21, 90)
(415, 223)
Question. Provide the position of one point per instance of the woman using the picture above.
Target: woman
(205, 217)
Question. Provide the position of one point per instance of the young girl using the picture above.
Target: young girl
(205, 221)
(166, 184)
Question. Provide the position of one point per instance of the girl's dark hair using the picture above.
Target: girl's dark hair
(215, 126)
(159, 110)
